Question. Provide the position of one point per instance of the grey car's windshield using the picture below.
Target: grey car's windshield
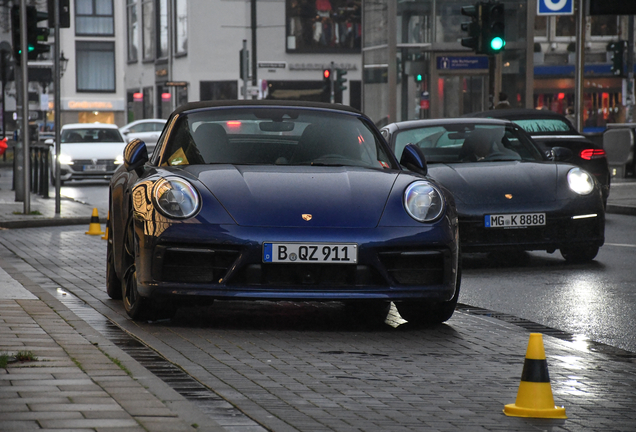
(272, 136)
(460, 143)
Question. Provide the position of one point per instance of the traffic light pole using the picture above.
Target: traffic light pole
(24, 136)
(580, 64)
(332, 91)
(58, 105)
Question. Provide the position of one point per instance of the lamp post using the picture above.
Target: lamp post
(63, 64)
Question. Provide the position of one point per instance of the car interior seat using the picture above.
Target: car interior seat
(213, 144)
(318, 141)
(477, 145)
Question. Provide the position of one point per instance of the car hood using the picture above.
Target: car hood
(347, 197)
(102, 150)
(489, 182)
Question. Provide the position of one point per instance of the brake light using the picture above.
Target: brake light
(589, 154)
(233, 124)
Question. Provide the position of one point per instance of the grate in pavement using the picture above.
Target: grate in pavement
(204, 398)
(618, 353)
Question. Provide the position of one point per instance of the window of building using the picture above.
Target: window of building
(541, 27)
(95, 66)
(162, 28)
(133, 30)
(148, 36)
(181, 27)
(218, 90)
(323, 25)
(604, 25)
(565, 26)
(94, 17)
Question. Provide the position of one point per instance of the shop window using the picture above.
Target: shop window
(95, 63)
(565, 26)
(323, 25)
(94, 17)
(604, 25)
(218, 90)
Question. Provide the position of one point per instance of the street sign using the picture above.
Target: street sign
(555, 7)
(462, 63)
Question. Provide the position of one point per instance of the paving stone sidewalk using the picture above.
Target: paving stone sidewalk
(78, 380)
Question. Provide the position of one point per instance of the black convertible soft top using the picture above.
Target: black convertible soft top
(263, 103)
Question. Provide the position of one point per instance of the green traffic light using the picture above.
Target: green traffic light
(497, 43)
(418, 77)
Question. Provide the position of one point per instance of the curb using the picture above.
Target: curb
(40, 223)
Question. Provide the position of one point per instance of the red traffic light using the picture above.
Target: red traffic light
(326, 73)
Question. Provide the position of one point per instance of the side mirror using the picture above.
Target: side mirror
(561, 154)
(413, 159)
(135, 155)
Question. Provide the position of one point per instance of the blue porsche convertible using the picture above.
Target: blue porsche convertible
(279, 200)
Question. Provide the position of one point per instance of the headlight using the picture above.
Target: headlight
(580, 181)
(176, 198)
(423, 201)
(119, 159)
(66, 160)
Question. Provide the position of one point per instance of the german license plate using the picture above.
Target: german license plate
(310, 253)
(514, 220)
(95, 168)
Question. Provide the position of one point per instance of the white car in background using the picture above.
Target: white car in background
(147, 130)
(89, 151)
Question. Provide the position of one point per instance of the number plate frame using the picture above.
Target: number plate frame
(95, 168)
(514, 220)
(310, 253)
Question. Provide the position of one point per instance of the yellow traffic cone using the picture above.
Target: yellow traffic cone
(534, 398)
(94, 228)
(105, 236)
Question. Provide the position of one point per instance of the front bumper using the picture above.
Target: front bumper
(225, 262)
(568, 224)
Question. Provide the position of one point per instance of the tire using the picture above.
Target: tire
(580, 254)
(113, 283)
(136, 306)
(425, 312)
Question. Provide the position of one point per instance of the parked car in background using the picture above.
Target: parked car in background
(549, 129)
(147, 130)
(88, 151)
(268, 200)
(509, 195)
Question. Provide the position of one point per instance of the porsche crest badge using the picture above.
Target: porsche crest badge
(306, 217)
(508, 196)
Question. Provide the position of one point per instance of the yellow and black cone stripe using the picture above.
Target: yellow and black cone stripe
(94, 228)
(534, 398)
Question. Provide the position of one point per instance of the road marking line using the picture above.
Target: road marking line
(620, 245)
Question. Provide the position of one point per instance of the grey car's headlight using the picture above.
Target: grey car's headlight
(580, 181)
(176, 198)
(423, 201)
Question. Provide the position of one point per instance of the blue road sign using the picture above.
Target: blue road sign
(455, 63)
(555, 7)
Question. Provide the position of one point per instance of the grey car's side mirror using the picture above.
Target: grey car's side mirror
(413, 159)
(135, 155)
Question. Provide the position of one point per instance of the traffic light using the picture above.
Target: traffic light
(493, 28)
(418, 77)
(35, 34)
(618, 52)
(340, 80)
(326, 80)
(472, 27)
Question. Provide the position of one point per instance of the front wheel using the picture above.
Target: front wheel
(579, 254)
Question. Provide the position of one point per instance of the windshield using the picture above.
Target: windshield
(460, 143)
(272, 136)
(91, 135)
(543, 125)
